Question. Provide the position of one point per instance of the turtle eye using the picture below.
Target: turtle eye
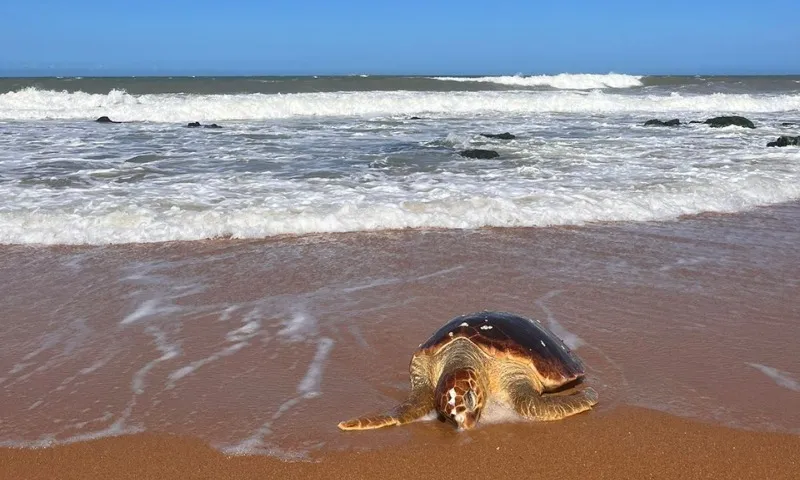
(470, 400)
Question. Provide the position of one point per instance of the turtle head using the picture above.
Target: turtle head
(460, 398)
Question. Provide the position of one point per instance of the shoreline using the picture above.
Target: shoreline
(261, 346)
(227, 241)
(625, 443)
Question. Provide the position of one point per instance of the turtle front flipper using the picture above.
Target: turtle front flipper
(419, 403)
(529, 403)
(369, 423)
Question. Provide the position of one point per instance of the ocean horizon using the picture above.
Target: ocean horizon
(291, 83)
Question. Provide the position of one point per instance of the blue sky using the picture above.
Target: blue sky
(81, 37)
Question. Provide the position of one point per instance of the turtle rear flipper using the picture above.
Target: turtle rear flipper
(530, 404)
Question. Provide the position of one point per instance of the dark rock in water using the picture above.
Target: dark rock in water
(478, 153)
(415, 118)
(500, 136)
(788, 124)
(695, 121)
(785, 141)
(198, 125)
(718, 122)
(105, 119)
(659, 123)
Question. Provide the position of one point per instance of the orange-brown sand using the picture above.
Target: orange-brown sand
(626, 443)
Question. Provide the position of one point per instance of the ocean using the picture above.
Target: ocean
(301, 155)
(252, 285)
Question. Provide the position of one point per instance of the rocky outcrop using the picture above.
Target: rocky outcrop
(660, 123)
(785, 141)
(479, 153)
(789, 124)
(105, 119)
(718, 122)
(198, 125)
(499, 136)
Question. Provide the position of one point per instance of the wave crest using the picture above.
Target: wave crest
(33, 104)
(562, 81)
(154, 222)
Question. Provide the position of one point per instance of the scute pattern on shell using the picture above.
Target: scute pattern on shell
(512, 336)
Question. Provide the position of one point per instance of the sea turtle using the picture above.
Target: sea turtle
(487, 356)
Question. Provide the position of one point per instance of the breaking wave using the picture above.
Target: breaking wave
(34, 104)
(563, 81)
(342, 213)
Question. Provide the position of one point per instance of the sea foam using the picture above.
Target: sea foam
(337, 211)
(565, 81)
(780, 377)
(33, 104)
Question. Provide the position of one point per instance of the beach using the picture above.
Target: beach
(189, 352)
(625, 444)
(209, 303)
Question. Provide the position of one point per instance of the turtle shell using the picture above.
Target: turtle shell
(501, 334)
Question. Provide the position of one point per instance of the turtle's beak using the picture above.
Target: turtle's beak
(466, 420)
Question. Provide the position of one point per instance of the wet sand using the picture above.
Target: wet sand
(261, 347)
(628, 443)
